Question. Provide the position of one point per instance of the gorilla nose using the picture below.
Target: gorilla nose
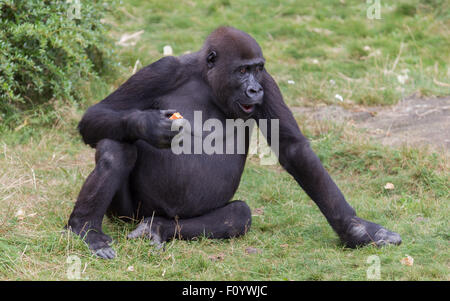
(254, 92)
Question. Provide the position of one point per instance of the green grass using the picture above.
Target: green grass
(43, 162)
(310, 43)
(44, 177)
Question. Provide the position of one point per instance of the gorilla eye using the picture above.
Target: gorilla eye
(243, 70)
(260, 67)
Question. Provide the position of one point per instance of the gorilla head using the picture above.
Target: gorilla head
(234, 70)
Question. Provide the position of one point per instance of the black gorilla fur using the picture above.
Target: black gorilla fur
(138, 177)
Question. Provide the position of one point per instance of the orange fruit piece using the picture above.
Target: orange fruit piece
(176, 116)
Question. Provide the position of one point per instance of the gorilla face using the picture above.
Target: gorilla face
(237, 85)
(235, 68)
(250, 92)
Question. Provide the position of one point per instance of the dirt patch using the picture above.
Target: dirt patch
(413, 121)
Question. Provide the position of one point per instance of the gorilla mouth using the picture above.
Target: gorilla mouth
(246, 108)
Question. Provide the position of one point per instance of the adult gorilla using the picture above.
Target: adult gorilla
(138, 176)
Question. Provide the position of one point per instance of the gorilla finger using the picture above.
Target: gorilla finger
(176, 129)
(166, 124)
(105, 253)
(168, 113)
(168, 135)
(178, 140)
(164, 144)
(170, 122)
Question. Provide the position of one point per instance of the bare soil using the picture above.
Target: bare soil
(415, 122)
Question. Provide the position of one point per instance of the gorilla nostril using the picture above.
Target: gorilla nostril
(252, 92)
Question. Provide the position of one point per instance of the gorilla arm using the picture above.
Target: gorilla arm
(298, 159)
(130, 112)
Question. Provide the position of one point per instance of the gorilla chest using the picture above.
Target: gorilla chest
(200, 173)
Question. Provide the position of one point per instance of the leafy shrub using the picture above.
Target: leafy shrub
(48, 50)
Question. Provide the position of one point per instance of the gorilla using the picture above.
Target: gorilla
(138, 177)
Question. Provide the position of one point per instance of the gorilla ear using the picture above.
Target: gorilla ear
(211, 58)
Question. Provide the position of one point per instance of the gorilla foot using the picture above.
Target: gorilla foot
(361, 232)
(150, 228)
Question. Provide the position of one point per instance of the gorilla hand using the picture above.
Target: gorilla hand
(361, 232)
(153, 126)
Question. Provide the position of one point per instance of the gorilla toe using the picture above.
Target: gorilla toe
(151, 229)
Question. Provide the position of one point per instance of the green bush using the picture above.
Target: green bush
(49, 51)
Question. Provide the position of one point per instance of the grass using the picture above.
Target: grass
(43, 162)
(310, 43)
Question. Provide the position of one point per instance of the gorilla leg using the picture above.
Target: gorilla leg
(232, 220)
(114, 162)
(122, 205)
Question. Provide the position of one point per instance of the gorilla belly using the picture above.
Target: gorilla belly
(184, 185)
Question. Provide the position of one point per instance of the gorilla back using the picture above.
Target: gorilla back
(137, 175)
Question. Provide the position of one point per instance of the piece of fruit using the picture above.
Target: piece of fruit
(408, 260)
(176, 115)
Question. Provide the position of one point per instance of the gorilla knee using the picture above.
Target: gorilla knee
(113, 155)
(241, 217)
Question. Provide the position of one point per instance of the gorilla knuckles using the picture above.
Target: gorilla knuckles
(154, 126)
(187, 196)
